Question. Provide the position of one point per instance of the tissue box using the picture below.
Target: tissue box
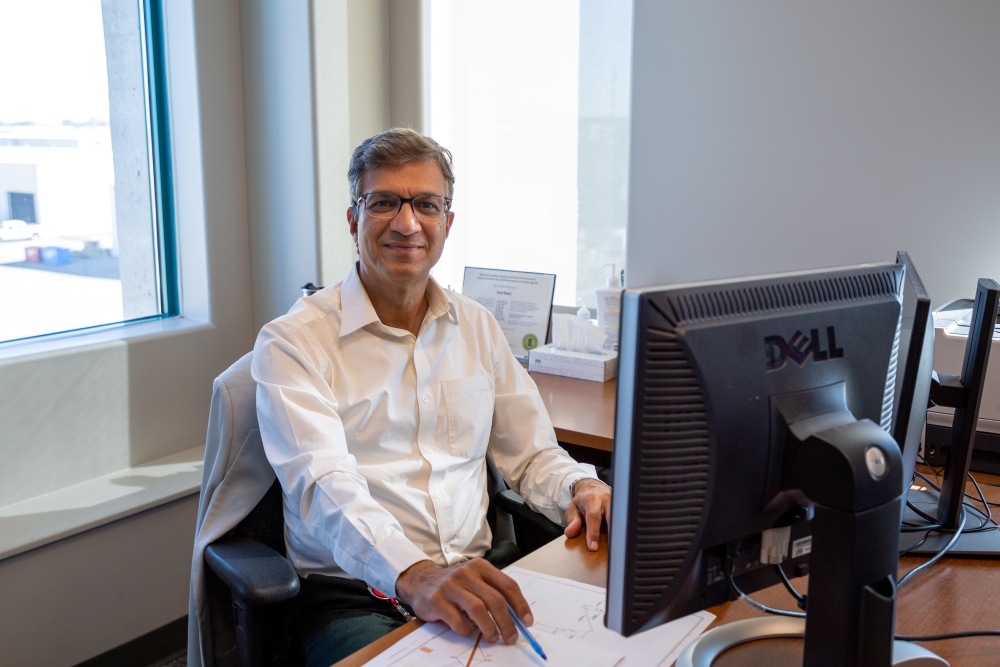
(581, 365)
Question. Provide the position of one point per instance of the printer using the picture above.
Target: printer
(951, 331)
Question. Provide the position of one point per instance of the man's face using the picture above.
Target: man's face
(400, 250)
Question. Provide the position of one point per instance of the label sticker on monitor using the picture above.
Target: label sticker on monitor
(802, 546)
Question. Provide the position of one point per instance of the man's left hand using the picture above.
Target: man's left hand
(591, 503)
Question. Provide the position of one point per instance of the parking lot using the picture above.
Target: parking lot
(36, 301)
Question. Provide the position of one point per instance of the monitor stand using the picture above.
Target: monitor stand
(984, 544)
(850, 473)
(704, 650)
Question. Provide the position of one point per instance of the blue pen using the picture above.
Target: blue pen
(524, 631)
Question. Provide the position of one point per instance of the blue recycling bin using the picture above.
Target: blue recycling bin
(56, 255)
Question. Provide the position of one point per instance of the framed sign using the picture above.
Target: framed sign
(520, 301)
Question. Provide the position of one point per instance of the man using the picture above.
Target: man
(378, 399)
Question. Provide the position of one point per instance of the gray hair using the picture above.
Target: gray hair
(396, 147)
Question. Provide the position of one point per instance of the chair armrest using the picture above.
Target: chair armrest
(514, 505)
(254, 572)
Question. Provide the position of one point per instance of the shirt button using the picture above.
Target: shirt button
(430, 450)
(437, 494)
(424, 398)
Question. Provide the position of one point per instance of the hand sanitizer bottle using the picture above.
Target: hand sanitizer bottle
(609, 309)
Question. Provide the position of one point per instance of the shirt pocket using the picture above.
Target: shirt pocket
(469, 404)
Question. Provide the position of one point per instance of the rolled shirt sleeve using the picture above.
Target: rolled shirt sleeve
(523, 442)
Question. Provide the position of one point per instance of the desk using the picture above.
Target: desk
(582, 412)
(559, 558)
(954, 594)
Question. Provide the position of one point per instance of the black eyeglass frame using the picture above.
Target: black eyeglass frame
(405, 200)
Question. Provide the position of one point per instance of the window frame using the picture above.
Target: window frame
(161, 164)
(158, 143)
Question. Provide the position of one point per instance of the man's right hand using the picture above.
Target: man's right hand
(465, 596)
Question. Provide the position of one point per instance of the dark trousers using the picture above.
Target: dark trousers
(333, 617)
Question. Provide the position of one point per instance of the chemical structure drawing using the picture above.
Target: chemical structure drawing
(589, 615)
(478, 657)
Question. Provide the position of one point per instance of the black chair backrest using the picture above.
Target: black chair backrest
(265, 523)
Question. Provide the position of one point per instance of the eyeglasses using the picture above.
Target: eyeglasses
(387, 205)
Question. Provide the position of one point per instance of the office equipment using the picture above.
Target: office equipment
(966, 601)
(522, 628)
(947, 509)
(913, 373)
(756, 404)
(520, 301)
(951, 331)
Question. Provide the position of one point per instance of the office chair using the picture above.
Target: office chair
(249, 583)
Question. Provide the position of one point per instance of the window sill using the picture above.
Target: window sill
(53, 516)
(99, 335)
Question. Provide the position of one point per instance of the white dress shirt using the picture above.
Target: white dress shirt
(379, 437)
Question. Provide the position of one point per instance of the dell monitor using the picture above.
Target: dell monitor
(747, 410)
(933, 516)
(913, 370)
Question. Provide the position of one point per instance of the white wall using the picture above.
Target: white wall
(776, 135)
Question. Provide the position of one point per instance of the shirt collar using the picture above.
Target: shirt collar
(439, 302)
(357, 310)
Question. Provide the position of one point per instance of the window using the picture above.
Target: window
(532, 98)
(85, 215)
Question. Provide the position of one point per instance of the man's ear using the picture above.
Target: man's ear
(352, 223)
(451, 219)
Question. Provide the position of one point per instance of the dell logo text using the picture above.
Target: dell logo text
(777, 351)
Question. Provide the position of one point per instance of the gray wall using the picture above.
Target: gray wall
(318, 78)
(76, 598)
(281, 192)
(773, 135)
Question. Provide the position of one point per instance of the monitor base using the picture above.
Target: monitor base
(984, 544)
(706, 648)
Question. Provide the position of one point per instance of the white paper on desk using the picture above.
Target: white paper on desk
(566, 608)
(434, 645)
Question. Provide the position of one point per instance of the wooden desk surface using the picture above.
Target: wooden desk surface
(582, 412)
(953, 595)
(559, 558)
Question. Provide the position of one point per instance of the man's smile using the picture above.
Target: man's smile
(399, 247)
